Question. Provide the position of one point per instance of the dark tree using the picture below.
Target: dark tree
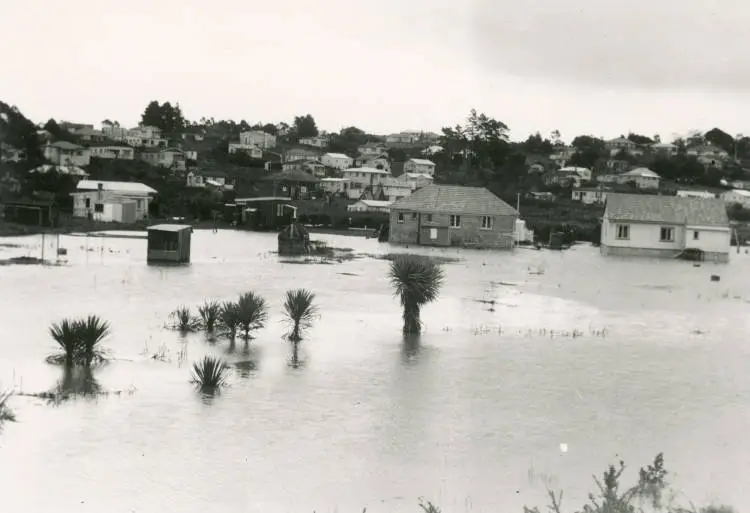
(305, 126)
(639, 139)
(536, 144)
(721, 139)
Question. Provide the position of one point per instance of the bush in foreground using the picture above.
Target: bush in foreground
(416, 281)
(80, 340)
(210, 374)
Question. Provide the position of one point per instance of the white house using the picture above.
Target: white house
(432, 150)
(372, 149)
(421, 166)
(415, 180)
(394, 189)
(619, 144)
(202, 179)
(111, 151)
(146, 136)
(301, 154)
(590, 196)
(583, 172)
(665, 149)
(402, 138)
(90, 193)
(335, 185)
(337, 160)
(365, 176)
(63, 153)
(664, 226)
(736, 196)
(318, 141)
(376, 161)
(642, 177)
(257, 138)
(250, 149)
(370, 206)
(171, 158)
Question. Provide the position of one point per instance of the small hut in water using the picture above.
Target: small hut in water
(294, 240)
(169, 243)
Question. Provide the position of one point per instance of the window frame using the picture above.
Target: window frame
(490, 221)
(620, 229)
(666, 230)
(455, 221)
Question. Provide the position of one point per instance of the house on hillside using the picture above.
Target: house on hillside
(319, 141)
(590, 195)
(690, 193)
(641, 177)
(415, 180)
(113, 130)
(432, 150)
(562, 155)
(112, 151)
(313, 167)
(452, 215)
(709, 155)
(420, 166)
(376, 161)
(369, 206)
(301, 154)
(171, 158)
(736, 197)
(372, 148)
(402, 138)
(337, 160)
(619, 144)
(258, 138)
(123, 202)
(209, 178)
(63, 153)
(665, 149)
(293, 184)
(10, 154)
(88, 133)
(249, 149)
(395, 188)
(335, 185)
(145, 136)
(665, 226)
(366, 176)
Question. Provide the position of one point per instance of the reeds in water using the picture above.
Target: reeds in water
(210, 374)
(253, 313)
(299, 312)
(6, 414)
(79, 340)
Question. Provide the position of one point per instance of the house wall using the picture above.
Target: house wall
(736, 197)
(260, 139)
(711, 239)
(364, 178)
(252, 150)
(140, 201)
(337, 163)
(412, 167)
(62, 157)
(470, 233)
(112, 152)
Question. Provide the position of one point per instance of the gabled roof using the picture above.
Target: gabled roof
(376, 203)
(65, 145)
(338, 156)
(422, 162)
(641, 171)
(650, 208)
(370, 170)
(93, 185)
(455, 199)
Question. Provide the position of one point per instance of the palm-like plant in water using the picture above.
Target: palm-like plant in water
(92, 331)
(229, 319)
(416, 281)
(299, 312)
(6, 414)
(209, 312)
(253, 313)
(210, 374)
(66, 335)
(183, 320)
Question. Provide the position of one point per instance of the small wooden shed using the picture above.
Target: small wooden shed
(169, 243)
(294, 240)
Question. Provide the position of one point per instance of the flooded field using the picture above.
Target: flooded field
(471, 419)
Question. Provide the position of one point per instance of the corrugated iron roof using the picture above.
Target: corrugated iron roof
(93, 185)
(455, 199)
(650, 208)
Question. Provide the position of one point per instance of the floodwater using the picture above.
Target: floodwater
(473, 419)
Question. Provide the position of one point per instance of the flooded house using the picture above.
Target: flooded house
(169, 243)
(453, 215)
(665, 226)
(262, 213)
(123, 202)
(38, 210)
(295, 184)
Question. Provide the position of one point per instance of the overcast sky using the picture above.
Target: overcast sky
(581, 66)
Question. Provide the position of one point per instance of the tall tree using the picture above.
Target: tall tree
(305, 126)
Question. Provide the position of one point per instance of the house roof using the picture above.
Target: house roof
(455, 199)
(419, 175)
(650, 208)
(422, 162)
(739, 192)
(376, 203)
(641, 171)
(370, 170)
(338, 156)
(92, 185)
(63, 170)
(65, 145)
(169, 227)
(574, 169)
(292, 175)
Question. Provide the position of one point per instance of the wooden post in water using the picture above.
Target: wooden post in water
(42, 247)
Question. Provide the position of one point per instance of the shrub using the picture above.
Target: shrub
(210, 374)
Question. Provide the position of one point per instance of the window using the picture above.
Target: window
(413, 216)
(623, 231)
(429, 218)
(88, 202)
(695, 235)
(279, 210)
(98, 208)
(400, 217)
(486, 223)
(666, 235)
(433, 233)
(455, 221)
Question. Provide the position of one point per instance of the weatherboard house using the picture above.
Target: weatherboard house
(665, 226)
(453, 215)
(122, 202)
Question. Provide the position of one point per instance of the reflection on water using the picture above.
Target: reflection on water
(522, 354)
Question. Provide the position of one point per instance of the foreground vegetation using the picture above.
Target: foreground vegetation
(79, 341)
(6, 414)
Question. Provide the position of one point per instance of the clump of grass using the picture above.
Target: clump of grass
(229, 319)
(209, 313)
(210, 374)
(80, 340)
(183, 320)
(6, 414)
(252, 313)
